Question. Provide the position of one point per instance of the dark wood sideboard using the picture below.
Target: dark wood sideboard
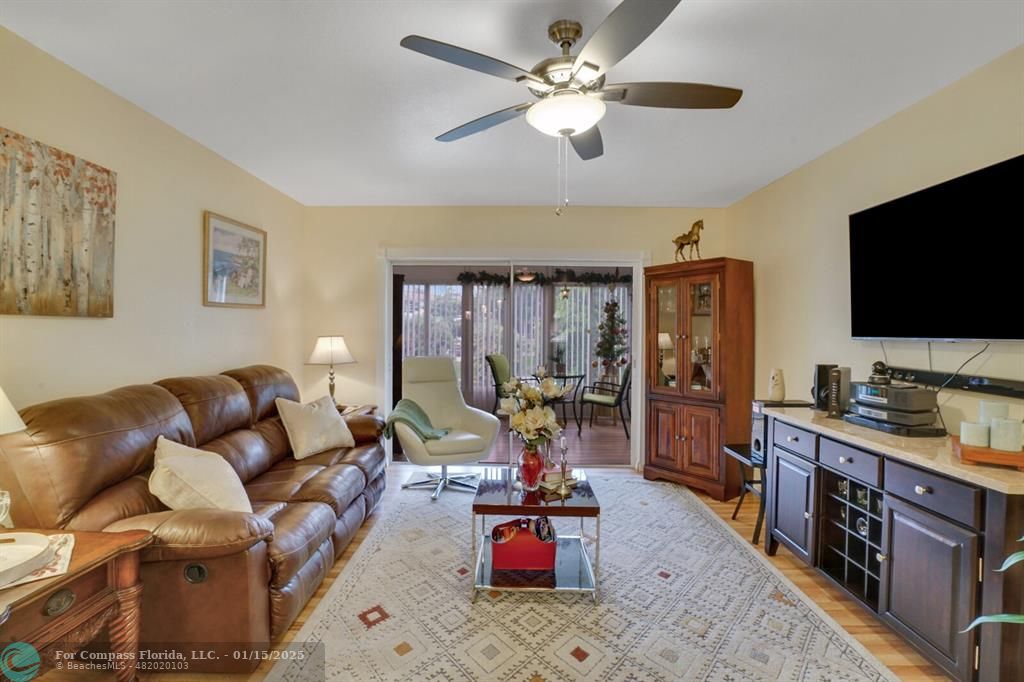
(908, 530)
(699, 349)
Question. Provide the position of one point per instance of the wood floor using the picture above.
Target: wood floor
(876, 638)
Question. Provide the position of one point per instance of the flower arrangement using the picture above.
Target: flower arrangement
(530, 417)
(533, 421)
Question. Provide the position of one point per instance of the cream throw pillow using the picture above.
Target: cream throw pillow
(314, 427)
(187, 478)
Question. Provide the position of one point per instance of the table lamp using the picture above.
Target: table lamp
(331, 351)
(10, 420)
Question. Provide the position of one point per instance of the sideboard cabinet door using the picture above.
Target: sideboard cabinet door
(794, 483)
(929, 583)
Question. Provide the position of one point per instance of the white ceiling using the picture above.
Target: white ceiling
(319, 100)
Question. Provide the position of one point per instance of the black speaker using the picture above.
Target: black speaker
(820, 392)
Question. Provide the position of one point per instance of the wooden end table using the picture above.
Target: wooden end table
(64, 613)
(574, 572)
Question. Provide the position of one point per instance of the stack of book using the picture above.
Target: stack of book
(551, 478)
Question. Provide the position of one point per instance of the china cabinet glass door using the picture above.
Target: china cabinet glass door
(700, 336)
(667, 367)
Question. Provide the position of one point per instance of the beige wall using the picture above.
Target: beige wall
(341, 269)
(795, 230)
(165, 181)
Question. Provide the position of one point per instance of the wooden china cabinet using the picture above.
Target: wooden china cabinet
(699, 343)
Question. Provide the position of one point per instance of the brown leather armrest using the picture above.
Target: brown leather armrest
(197, 533)
(365, 428)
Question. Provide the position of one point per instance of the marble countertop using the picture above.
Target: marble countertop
(934, 454)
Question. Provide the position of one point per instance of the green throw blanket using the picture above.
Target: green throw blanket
(413, 416)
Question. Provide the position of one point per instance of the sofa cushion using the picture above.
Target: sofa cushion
(262, 384)
(314, 427)
(456, 443)
(279, 484)
(130, 497)
(189, 478)
(75, 448)
(246, 450)
(215, 405)
(336, 486)
(370, 459)
(299, 530)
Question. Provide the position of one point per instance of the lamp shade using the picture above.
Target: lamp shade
(330, 350)
(665, 341)
(10, 420)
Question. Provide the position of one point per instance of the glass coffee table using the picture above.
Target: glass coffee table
(574, 572)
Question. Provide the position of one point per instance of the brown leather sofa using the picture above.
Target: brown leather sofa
(210, 576)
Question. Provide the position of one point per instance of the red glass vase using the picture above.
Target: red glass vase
(531, 464)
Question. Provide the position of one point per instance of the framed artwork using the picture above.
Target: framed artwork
(57, 214)
(234, 263)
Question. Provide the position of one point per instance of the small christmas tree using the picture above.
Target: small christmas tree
(611, 340)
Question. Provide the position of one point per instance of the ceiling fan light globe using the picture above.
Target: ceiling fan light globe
(567, 110)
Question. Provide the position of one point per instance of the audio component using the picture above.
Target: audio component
(896, 429)
(838, 391)
(894, 416)
(821, 386)
(903, 397)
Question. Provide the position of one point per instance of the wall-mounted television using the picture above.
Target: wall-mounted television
(944, 263)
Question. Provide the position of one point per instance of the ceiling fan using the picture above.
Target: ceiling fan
(571, 89)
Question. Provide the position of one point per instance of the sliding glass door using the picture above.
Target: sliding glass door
(535, 316)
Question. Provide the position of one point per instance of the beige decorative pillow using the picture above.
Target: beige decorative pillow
(314, 427)
(188, 478)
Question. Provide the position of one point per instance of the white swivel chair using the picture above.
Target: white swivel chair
(431, 383)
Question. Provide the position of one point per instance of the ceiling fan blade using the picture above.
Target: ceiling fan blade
(466, 58)
(484, 122)
(673, 95)
(627, 26)
(588, 145)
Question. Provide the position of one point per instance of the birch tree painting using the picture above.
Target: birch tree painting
(56, 231)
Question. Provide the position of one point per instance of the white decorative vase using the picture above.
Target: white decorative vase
(776, 385)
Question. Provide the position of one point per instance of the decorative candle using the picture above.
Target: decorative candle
(1006, 434)
(991, 409)
(973, 433)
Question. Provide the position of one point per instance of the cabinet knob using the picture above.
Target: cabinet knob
(846, 460)
(808, 515)
(682, 336)
(682, 437)
(792, 439)
(922, 489)
(881, 557)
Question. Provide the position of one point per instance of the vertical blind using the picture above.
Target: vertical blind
(539, 325)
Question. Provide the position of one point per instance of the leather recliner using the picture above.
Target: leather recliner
(210, 576)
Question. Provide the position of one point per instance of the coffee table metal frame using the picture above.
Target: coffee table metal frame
(571, 550)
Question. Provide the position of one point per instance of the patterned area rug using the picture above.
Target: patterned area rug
(683, 598)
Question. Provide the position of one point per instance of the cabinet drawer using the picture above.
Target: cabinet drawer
(851, 462)
(952, 499)
(57, 605)
(795, 440)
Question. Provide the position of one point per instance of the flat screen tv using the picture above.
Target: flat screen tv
(945, 263)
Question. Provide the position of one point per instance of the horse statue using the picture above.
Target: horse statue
(691, 239)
